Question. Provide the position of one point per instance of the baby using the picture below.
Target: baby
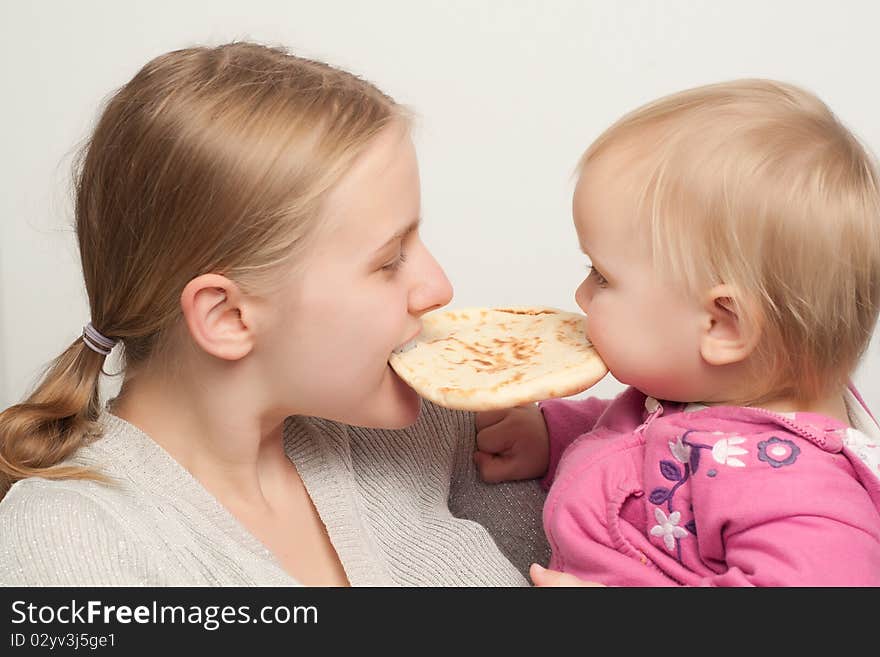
(733, 233)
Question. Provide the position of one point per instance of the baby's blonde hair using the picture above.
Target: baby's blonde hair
(756, 184)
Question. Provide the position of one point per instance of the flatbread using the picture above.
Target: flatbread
(480, 359)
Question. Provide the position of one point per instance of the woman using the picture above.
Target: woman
(248, 229)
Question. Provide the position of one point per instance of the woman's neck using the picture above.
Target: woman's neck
(211, 431)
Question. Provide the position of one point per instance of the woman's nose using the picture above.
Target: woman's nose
(432, 289)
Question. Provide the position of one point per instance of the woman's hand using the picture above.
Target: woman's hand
(545, 577)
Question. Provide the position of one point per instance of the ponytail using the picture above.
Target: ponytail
(58, 418)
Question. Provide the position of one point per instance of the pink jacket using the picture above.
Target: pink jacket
(645, 494)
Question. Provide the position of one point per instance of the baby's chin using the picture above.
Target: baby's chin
(669, 393)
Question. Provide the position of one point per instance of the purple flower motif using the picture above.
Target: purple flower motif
(778, 452)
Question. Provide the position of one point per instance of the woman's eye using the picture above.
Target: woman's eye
(395, 264)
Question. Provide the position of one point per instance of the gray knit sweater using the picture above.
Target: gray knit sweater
(401, 508)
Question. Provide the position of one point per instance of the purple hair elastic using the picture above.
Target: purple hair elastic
(97, 342)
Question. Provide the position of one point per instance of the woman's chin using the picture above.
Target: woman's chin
(403, 406)
(394, 405)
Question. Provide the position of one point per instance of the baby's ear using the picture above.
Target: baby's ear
(216, 315)
(726, 337)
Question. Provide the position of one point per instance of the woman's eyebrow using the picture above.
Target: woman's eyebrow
(402, 233)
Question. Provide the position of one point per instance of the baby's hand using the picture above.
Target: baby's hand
(545, 577)
(512, 444)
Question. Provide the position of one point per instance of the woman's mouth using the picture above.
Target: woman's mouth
(406, 346)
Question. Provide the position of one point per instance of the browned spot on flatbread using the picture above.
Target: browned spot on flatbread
(521, 351)
(525, 312)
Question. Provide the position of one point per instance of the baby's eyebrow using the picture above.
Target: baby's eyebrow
(593, 260)
(413, 225)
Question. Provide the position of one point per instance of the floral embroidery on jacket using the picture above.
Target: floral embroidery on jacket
(778, 452)
(725, 451)
(687, 453)
(667, 527)
(680, 451)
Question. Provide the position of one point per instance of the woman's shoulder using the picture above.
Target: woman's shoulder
(52, 533)
(37, 504)
(39, 496)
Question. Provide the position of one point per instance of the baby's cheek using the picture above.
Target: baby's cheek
(593, 329)
(599, 324)
(619, 348)
(597, 333)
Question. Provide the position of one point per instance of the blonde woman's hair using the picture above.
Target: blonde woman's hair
(208, 160)
(756, 183)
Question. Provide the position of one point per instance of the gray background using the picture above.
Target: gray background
(509, 94)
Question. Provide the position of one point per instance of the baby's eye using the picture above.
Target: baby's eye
(597, 276)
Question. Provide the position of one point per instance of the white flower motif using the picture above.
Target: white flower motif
(680, 451)
(724, 451)
(668, 528)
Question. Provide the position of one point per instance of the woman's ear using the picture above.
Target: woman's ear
(216, 315)
(726, 337)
